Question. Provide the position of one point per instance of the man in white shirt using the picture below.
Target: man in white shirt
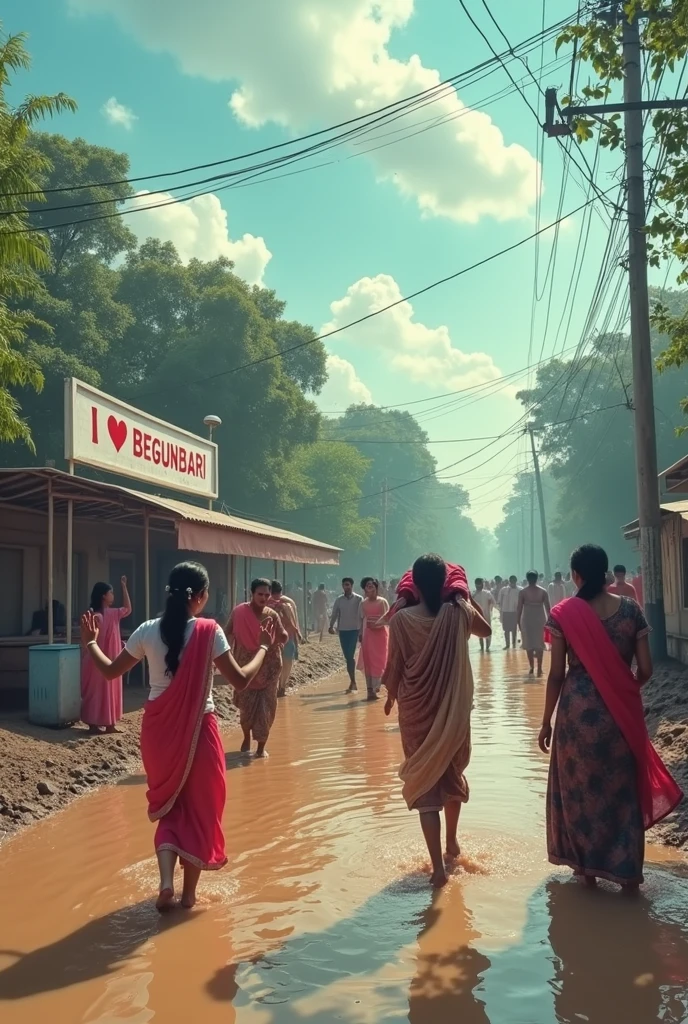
(486, 602)
(344, 620)
(508, 606)
(556, 590)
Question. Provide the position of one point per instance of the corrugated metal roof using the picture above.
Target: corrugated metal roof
(679, 508)
(196, 514)
(13, 490)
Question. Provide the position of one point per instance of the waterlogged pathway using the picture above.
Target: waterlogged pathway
(325, 913)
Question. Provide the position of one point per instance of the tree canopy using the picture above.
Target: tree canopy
(22, 254)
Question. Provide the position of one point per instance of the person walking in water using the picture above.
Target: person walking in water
(288, 613)
(101, 700)
(429, 675)
(508, 606)
(486, 603)
(257, 703)
(345, 621)
(607, 784)
(374, 636)
(556, 590)
(320, 610)
(621, 586)
(533, 609)
(181, 747)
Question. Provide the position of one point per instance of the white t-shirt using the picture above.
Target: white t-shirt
(146, 642)
(485, 601)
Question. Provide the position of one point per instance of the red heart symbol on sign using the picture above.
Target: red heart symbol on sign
(117, 429)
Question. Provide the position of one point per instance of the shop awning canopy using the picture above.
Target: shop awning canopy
(675, 478)
(679, 508)
(197, 529)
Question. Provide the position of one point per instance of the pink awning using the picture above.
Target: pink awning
(214, 541)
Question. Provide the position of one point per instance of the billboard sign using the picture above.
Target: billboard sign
(108, 434)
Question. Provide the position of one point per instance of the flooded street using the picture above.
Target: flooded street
(325, 913)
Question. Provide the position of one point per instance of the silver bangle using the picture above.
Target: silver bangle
(264, 647)
(92, 643)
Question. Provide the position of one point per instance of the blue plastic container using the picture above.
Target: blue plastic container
(54, 684)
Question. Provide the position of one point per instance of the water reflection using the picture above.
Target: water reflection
(448, 984)
(326, 914)
(614, 959)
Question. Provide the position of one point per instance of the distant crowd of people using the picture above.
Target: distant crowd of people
(524, 607)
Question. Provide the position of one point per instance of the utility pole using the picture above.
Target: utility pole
(541, 503)
(649, 512)
(532, 520)
(385, 504)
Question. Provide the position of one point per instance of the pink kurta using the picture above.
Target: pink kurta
(372, 655)
(101, 699)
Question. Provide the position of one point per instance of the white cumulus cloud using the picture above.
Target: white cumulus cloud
(426, 355)
(116, 113)
(301, 63)
(198, 228)
(343, 388)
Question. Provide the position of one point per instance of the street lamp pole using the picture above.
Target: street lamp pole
(211, 423)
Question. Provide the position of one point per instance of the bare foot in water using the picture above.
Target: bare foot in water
(94, 730)
(587, 880)
(188, 901)
(438, 879)
(164, 900)
(261, 751)
(110, 730)
(453, 849)
(245, 747)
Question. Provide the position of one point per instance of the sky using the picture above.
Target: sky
(176, 84)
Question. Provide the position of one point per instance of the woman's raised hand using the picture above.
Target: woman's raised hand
(267, 631)
(89, 628)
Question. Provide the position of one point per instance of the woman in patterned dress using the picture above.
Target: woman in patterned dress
(607, 784)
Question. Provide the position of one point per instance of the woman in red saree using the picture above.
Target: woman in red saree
(607, 784)
(181, 746)
(257, 704)
(429, 674)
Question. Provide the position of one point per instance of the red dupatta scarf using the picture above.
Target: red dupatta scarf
(172, 722)
(455, 582)
(658, 793)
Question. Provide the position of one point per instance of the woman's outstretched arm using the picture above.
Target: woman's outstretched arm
(555, 681)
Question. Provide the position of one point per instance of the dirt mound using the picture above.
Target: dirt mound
(666, 713)
(42, 770)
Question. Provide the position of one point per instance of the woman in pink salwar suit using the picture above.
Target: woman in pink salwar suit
(101, 702)
(181, 746)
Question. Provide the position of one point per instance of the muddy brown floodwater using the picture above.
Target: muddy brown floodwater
(325, 913)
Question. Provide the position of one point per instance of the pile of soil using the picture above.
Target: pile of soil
(666, 713)
(42, 770)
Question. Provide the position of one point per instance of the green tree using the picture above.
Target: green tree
(664, 39)
(423, 512)
(586, 440)
(22, 254)
(325, 482)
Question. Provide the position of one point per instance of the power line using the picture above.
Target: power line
(369, 316)
(392, 108)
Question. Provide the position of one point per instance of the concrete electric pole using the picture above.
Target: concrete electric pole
(649, 513)
(541, 503)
